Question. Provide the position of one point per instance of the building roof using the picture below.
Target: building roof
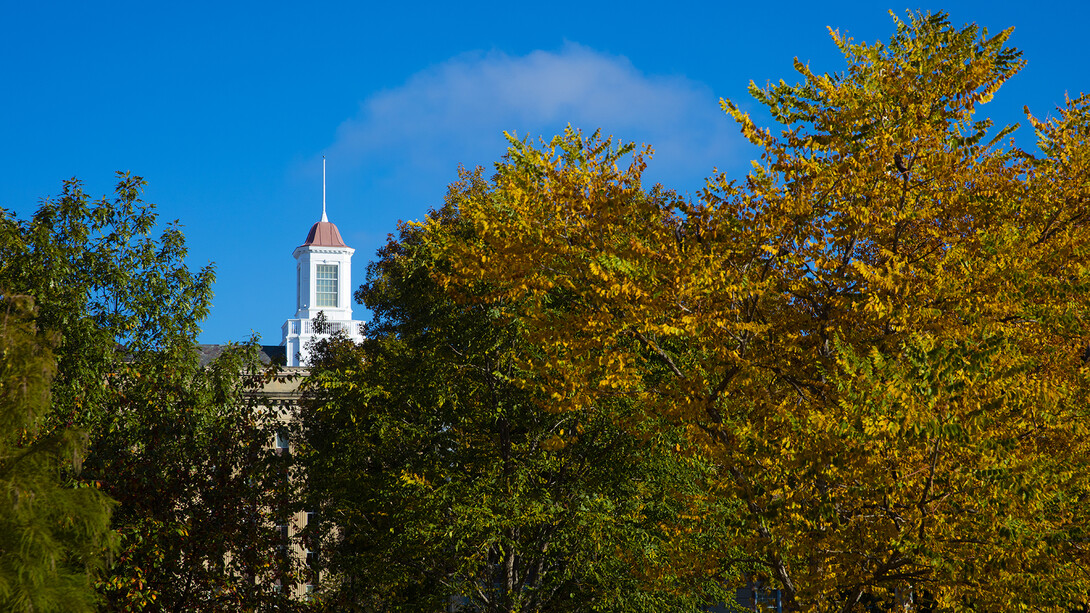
(324, 234)
(268, 354)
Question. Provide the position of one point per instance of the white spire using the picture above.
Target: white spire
(324, 218)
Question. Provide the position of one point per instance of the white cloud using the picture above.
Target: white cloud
(456, 112)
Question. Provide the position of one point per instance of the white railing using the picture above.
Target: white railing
(306, 326)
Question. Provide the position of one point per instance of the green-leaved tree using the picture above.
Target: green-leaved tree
(54, 535)
(182, 447)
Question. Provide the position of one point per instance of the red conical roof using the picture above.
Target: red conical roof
(324, 234)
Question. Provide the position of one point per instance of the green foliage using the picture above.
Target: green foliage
(53, 536)
(181, 447)
(104, 284)
(187, 456)
(447, 483)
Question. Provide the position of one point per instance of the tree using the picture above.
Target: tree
(444, 484)
(879, 335)
(186, 454)
(52, 536)
(109, 288)
(180, 446)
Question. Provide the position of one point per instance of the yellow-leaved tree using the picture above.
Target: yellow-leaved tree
(879, 336)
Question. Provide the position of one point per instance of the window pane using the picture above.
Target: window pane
(326, 285)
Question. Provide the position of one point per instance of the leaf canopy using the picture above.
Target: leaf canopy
(879, 335)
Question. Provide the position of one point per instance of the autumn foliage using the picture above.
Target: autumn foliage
(879, 337)
(859, 375)
(445, 486)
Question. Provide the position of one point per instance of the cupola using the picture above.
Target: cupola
(323, 284)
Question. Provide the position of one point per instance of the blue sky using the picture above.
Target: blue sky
(226, 109)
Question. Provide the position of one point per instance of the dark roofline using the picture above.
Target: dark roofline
(268, 354)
